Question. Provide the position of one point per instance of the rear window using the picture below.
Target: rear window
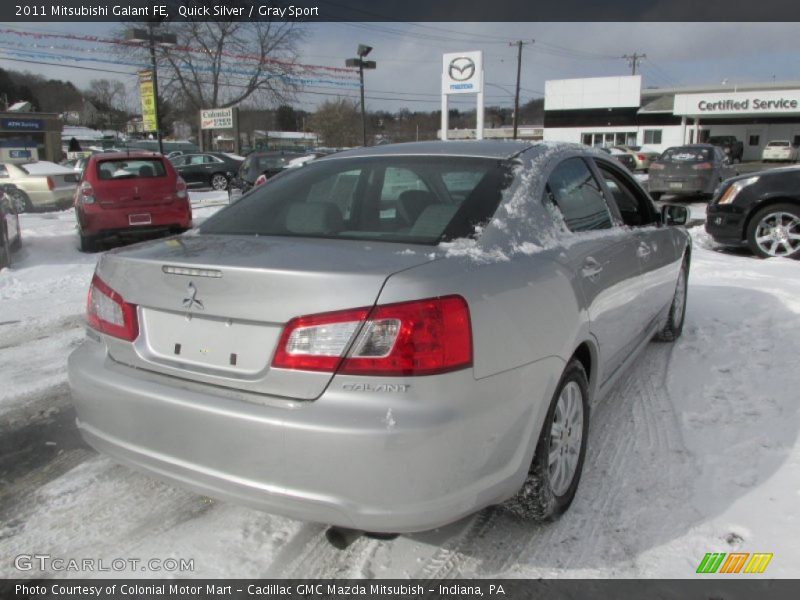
(780, 143)
(686, 154)
(395, 199)
(125, 168)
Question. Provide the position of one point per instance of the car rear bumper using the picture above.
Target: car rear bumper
(383, 461)
(100, 221)
(681, 184)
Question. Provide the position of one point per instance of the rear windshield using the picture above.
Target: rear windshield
(420, 200)
(686, 154)
(125, 168)
(782, 143)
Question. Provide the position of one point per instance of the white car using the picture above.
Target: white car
(782, 150)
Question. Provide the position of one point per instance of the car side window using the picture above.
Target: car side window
(574, 191)
(634, 208)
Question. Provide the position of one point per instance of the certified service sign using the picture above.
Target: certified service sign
(462, 72)
(216, 118)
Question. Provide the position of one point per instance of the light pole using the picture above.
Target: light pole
(151, 38)
(362, 64)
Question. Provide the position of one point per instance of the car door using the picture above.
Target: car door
(656, 246)
(602, 255)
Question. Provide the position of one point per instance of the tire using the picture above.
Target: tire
(677, 310)
(23, 202)
(656, 195)
(767, 237)
(219, 182)
(88, 243)
(5, 249)
(545, 495)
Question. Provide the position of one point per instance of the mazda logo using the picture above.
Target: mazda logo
(190, 301)
(461, 68)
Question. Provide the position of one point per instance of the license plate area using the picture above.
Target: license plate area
(140, 219)
(676, 185)
(207, 344)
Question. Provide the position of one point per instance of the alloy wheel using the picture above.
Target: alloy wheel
(566, 438)
(778, 234)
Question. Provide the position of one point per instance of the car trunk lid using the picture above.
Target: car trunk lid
(211, 308)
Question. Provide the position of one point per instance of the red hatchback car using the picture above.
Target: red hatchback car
(130, 195)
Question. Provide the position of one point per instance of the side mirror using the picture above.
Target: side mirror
(674, 214)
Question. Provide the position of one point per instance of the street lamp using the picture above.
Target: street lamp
(151, 38)
(362, 64)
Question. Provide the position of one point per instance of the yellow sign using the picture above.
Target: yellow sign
(146, 91)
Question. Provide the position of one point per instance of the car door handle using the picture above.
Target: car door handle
(643, 251)
(591, 268)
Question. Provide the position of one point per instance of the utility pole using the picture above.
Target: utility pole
(519, 44)
(633, 60)
(362, 64)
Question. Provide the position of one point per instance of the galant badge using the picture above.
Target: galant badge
(461, 68)
(191, 301)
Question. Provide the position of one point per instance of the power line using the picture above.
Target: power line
(633, 60)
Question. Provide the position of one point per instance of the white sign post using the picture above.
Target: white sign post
(462, 73)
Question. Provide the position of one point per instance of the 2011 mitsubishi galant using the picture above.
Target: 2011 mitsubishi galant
(387, 339)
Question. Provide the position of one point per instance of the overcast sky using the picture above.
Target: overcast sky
(409, 55)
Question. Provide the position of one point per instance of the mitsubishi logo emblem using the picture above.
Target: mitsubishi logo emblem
(461, 68)
(190, 301)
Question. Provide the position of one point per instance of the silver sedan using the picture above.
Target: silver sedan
(387, 339)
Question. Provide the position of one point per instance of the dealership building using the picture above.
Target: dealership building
(618, 110)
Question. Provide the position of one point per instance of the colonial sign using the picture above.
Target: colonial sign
(216, 118)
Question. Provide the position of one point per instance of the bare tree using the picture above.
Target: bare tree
(338, 122)
(217, 64)
(108, 94)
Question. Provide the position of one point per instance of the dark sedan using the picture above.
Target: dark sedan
(695, 169)
(256, 164)
(210, 169)
(760, 211)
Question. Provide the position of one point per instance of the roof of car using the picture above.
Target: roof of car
(473, 148)
(132, 154)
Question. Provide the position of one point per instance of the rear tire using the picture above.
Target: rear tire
(219, 182)
(88, 243)
(23, 202)
(558, 461)
(677, 310)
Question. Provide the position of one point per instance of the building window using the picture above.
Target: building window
(796, 140)
(587, 139)
(703, 136)
(752, 140)
(652, 136)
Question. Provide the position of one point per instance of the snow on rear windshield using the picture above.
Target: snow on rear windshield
(413, 199)
(686, 154)
(783, 143)
(126, 168)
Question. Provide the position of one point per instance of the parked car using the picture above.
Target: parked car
(642, 156)
(40, 184)
(130, 194)
(254, 166)
(210, 169)
(731, 146)
(779, 150)
(760, 211)
(695, 169)
(339, 348)
(624, 157)
(10, 230)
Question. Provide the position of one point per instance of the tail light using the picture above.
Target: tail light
(180, 189)
(260, 179)
(51, 184)
(641, 157)
(107, 312)
(704, 166)
(422, 337)
(86, 193)
(656, 166)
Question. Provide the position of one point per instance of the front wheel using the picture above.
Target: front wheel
(677, 310)
(219, 182)
(557, 464)
(775, 231)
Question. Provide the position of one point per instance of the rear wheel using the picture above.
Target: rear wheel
(557, 464)
(219, 182)
(775, 231)
(22, 201)
(88, 243)
(677, 311)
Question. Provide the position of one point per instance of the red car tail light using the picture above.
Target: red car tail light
(180, 189)
(704, 166)
(260, 180)
(422, 337)
(656, 166)
(51, 184)
(107, 312)
(86, 193)
(641, 157)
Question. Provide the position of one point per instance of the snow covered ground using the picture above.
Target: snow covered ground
(695, 451)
